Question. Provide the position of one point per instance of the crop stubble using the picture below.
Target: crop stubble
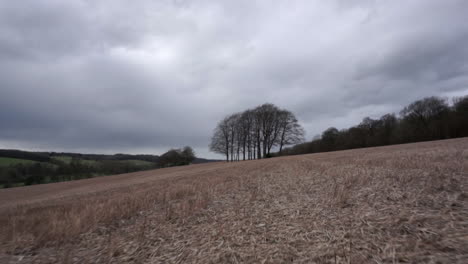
(397, 204)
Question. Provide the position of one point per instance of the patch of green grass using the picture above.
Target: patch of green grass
(140, 162)
(65, 159)
(68, 160)
(12, 161)
(88, 162)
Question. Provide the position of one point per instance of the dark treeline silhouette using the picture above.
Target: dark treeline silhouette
(176, 157)
(431, 118)
(57, 171)
(252, 134)
(19, 154)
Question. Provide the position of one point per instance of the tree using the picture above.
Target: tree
(430, 118)
(188, 154)
(422, 118)
(245, 135)
(170, 158)
(291, 132)
(329, 138)
(459, 119)
(220, 142)
(386, 130)
(176, 157)
(255, 133)
(268, 117)
(232, 123)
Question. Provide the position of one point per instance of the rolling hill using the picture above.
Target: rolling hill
(396, 204)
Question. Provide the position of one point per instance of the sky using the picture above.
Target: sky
(116, 76)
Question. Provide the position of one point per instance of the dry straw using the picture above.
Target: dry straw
(398, 204)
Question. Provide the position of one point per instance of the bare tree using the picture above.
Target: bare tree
(233, 124)
(254, 133)
(291, 132)
(420, 118)
(267, 117)
(220, 142)
(245, 127)
(257, 131)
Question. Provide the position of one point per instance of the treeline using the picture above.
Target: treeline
(177, 157)
(56, 167)
(431, 118)
(253, 134)
(19, 154)
(57, 171)
(47, 156)
(119, 156)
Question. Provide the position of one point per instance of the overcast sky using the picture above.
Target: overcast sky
(107, 76)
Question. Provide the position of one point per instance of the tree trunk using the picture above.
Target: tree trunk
(259, 150)
(282, 140)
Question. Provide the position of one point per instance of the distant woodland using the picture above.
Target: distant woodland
(267, 131)
(431, 118)
(18, 168)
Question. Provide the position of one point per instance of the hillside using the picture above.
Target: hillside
(19, 168)
(13, 161)
(403, 203)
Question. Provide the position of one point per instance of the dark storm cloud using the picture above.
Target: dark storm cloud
(122, 76)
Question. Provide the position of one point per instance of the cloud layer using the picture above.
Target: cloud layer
(124, 76)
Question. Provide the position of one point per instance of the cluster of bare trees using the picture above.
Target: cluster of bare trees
(253, 133)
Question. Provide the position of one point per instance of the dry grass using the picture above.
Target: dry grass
(398, 204)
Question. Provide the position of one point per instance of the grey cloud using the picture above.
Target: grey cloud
(103, 76)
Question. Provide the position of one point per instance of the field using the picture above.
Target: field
(16, 172)
(397, 204)
(68, 159)
(12, 161)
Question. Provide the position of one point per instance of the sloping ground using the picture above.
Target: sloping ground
(13, 161)
(398, 204)
(57, 192)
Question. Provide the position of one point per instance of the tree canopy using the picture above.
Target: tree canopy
(430, 118)
(254, 133)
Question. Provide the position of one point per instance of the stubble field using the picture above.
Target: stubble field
(396, 204)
